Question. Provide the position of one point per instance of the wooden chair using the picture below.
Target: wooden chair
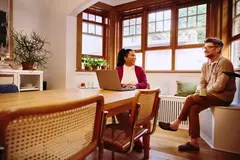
(120, 138)
(65, 131)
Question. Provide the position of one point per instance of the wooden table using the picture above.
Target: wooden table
(114, 102)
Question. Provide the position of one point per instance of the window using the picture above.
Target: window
(92, 39)
(235, 44)
(159, 26)
(166, 47)
(132, 31)
(92, 35)
(192, 24)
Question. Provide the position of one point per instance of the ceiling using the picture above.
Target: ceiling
(115, 2)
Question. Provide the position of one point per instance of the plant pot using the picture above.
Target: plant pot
(103, 67)
(27, 65)
(87, 68)
(95, 68)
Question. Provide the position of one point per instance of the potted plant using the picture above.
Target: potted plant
(30, 50)
(87, 62)
(103, 64)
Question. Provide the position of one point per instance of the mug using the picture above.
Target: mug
(203, 92)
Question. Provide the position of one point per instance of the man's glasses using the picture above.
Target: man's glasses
(208, 47)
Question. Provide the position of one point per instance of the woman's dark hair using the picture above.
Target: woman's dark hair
(121, 54)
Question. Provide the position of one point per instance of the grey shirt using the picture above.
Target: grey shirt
(216, 82)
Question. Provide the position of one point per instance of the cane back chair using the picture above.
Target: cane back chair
(120, 138)
(64, 131)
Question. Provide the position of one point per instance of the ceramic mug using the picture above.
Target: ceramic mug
(203, 92)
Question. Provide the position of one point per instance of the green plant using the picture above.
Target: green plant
(30, 48)
(87, 62)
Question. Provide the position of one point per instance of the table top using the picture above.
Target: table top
(20, 100)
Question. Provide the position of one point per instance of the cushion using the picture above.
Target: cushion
(185, 88)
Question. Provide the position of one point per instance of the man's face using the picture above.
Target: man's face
(211, 50)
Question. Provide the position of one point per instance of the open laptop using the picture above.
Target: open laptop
(109, 80)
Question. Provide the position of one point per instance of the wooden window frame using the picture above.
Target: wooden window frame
(173, 32)
(104, 36)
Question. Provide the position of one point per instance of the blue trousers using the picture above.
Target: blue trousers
(8, 88)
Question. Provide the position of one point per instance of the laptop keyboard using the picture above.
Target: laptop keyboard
(128, 89)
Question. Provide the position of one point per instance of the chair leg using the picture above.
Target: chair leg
(112, 155)
(100, 152)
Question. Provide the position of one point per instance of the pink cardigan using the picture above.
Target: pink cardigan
(141, 76)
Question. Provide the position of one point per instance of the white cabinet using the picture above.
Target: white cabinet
(25, 80)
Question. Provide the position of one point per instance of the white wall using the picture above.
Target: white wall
(4, 5)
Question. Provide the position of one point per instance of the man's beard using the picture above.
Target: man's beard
(209, 55)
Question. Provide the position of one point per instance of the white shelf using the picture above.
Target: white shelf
(23, 77)
(29, 89)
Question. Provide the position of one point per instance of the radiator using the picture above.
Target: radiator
(170, 107)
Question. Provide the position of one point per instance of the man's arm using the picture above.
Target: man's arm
(203, 82)
(221, 79)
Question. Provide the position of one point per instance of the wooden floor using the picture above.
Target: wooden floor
(164, 147)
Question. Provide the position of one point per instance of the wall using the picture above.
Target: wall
(49, 18)
(4, 5)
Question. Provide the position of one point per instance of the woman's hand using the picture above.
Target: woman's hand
(129, 86)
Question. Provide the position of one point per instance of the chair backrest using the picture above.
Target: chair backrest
(62, 131)
(149, 101)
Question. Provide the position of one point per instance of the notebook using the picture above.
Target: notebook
(109, 80)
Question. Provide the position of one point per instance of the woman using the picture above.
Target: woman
(131, 76)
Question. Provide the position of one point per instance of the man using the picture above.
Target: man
(220, 92)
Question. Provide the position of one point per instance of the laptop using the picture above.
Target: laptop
(109, 80)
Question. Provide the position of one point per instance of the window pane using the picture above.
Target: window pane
(151, 27)
(167, 25)
(202, 9)
(139, 29)
(139, 20)
(159, 39)
(192, 21)
(84, 27)
(189, 59)
(159, 26)
(192, 28)
(126, 23)
(98, 30)
(91, 17)
(238, 8)
(201, 20)
(235, 54)
(182, 23)
(191, 36)
(139, 59)
(167, 14)
(158, 60)
(91, 28)
(88, 41)
(132, 21)
(159, 16)
(85, 15)
(125, 31)
(132, 30)
(132, 42)
(99, 19)
(151, 17)
(192, 10)
(236, 26)
(182, 12)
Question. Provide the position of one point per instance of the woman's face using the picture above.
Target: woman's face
(130, 59)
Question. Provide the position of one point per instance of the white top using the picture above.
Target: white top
(129, 75)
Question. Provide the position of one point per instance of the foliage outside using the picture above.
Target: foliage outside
(30, 48)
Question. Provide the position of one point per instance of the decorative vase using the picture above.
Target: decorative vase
(27, 65)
